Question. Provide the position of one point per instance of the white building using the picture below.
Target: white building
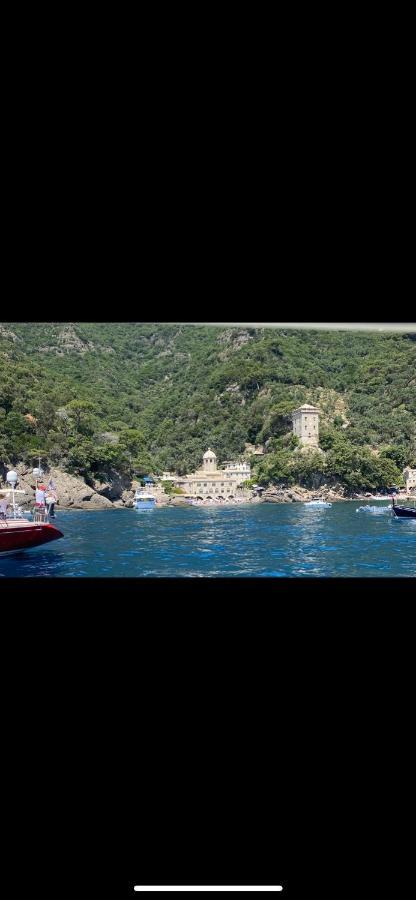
(242, 470)
(209, 482)
(306, 425)
(410, 479)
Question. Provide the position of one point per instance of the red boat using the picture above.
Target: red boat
(20, 534)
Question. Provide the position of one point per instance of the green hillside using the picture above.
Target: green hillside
(143, 397)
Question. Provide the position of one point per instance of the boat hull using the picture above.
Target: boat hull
(145, 504)
(403, 512)
(18, 536)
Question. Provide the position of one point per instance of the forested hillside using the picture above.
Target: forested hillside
(145, 397)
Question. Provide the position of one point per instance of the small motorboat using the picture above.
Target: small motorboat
(144, 500)
(322, 504)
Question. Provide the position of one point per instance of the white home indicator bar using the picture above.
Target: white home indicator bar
(277, 887)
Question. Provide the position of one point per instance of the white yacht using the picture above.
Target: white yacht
(144, 500)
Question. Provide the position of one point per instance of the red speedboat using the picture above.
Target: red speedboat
(17, 532)
(20, 534)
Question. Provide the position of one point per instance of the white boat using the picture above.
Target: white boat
(320, 503)
(144, 500)
(373, 509)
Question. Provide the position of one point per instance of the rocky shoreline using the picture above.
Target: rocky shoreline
(118, 492)
(74, 492)
(303, 495)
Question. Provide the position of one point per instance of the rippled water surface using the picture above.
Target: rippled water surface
(265, 540)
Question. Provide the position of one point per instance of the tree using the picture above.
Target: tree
(82, 457)
(133, 439)
(399, 455)
(275, 468)
(35, 453)
(81, 413)
(144, 464)
(308, 469)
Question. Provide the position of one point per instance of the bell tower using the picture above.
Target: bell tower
(209, 461)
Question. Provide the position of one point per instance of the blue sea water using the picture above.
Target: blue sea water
(251, 540)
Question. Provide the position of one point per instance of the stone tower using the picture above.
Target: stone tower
(209, 461)
(306, 425)
(410, 479)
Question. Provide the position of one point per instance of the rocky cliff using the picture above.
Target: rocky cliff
(74, 492)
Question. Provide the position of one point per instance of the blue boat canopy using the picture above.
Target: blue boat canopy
(148, 479)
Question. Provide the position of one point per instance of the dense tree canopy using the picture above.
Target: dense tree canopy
(146, 397)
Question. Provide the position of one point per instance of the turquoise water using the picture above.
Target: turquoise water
(264, 540)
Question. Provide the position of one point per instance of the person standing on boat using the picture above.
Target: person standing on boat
(40, 495)
(51, 498)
